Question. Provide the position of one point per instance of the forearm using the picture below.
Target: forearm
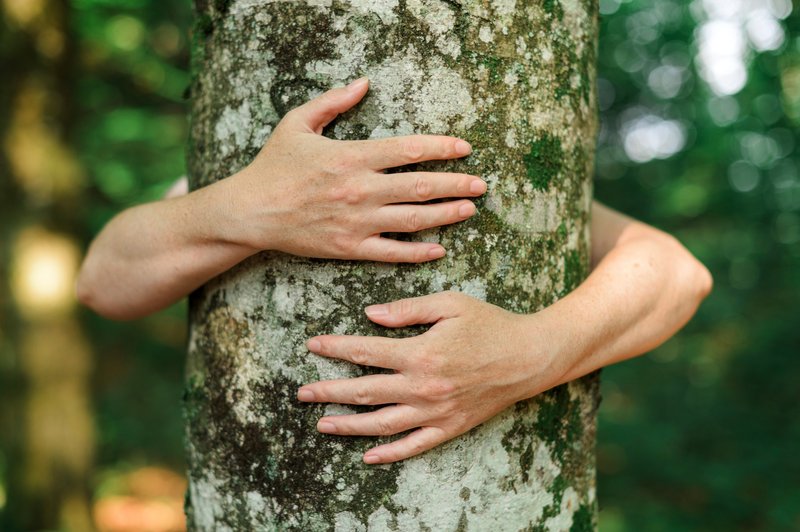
(152, 255)
(640, 293)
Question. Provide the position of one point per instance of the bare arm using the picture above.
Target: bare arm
(304, 194)
(151, 255)
(644, 287)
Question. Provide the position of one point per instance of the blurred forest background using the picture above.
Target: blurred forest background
(700, 104)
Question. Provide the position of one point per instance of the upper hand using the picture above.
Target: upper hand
(475, 361)
(309, 195)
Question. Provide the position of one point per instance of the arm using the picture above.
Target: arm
(304, 194)
(643, 288)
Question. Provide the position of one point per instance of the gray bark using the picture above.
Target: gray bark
(516, 79)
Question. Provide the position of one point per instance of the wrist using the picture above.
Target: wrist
(219, 219)
(554, 346)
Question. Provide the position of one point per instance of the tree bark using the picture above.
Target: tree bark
(517, 80)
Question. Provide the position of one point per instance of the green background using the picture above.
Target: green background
(701, 434)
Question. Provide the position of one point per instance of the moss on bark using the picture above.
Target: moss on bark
(510, 76)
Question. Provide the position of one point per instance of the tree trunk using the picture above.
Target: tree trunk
(516, 79)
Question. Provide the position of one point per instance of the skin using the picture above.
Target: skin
(334, 204)
(476, 359)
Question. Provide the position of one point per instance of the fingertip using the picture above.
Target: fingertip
(467, 209)
(377, 311)
(463, 148)
(436, 253)
(478, 186)
(314, 345)
(305, 395)
(359, 85)
(326, 427)
(371, 458)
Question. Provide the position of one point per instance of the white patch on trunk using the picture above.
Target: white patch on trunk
(485, 34)
(206, 494)
(385, 9)
(570, 502)
(233, 128)
(488, 459)
(439, 102)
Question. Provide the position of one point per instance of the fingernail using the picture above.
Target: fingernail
(477, 187)
(463, 147)
(468, 209)
(372, 459)
(324, 426)
(373, 311)
(305, 395)
(314, 345)
(436, 253)
(357, 84)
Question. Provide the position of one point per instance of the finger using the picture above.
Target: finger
(375, 351)
(424, 186)
(367, 390)
(317, 113)
(384, 422)
(417, 310)
(399, 151)
(417, 442)
(413, 218)
(377, 248)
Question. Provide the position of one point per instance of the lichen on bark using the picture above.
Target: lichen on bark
(514, 78)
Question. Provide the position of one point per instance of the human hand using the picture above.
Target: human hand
(309, 195)
(476, 360)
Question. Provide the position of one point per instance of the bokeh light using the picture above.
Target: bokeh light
(44, 272)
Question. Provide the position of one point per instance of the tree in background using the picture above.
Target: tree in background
(48, 425)
(518, 81)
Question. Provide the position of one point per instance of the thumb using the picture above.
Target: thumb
(417, 310)
(319, 112)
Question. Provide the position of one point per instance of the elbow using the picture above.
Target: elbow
(85, 289)
(91, 295)
(704, 281)
(696, 279)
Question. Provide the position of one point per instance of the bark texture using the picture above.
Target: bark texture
(516, 79)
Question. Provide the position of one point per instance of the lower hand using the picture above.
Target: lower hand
(475, 361)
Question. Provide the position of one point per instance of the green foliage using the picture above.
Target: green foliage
(702, 434)
(130, 136)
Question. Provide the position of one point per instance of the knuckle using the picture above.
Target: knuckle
(291, 114)
(463, 185)
(422, 189)
(337, 166)
(461, 419)
(413, 150)
(434, 364)
(451, 296)
(362, 396)
(342, 244)
(413, 222)
(349, 193)
(385, 427)
(439, 389)
(415, 448)
(405, 307)
(391, 254)
(359, 355)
